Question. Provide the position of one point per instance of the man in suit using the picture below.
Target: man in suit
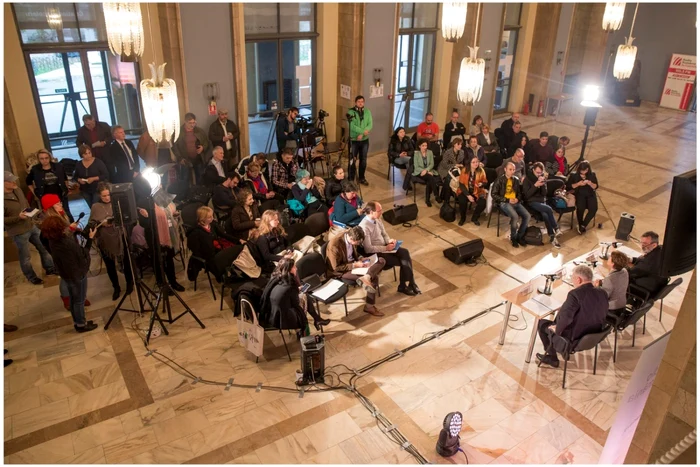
(582, 313)
(123, 162)
(645, 270)
(453, 128)
(342, 257)
(95, 135)
(223, 132)
(507, 125)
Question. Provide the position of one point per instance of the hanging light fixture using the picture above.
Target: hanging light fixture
(613, 16)
(626, 55)
(471, 72)
(124, 29)
(454, 18)
(53, 17)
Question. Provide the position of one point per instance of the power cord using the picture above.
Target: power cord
(465, 454)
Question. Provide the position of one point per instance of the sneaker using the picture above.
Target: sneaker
(406, 291)
(36, 281)
(366, 283)
(558, 232)
(555, 242)
(515, 243)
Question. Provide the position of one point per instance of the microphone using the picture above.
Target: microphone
(82, 214)
(612, 244)
(605, 247)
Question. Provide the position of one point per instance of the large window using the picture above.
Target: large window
(280, 50)
(506, 62)
(414, 62)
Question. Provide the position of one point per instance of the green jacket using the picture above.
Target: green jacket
(418, 165)
(357, 126)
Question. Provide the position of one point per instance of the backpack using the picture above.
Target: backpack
(447, 212)
(533, 236)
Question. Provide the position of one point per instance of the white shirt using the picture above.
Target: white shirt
(219, 167)
(376, 238)
(228, 143)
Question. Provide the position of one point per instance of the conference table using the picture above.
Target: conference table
(525, 296)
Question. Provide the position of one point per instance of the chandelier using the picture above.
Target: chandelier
(471, 72)
(626, 55)
(53, 17)
(124, 29)
(454, 17)
(613, 15)
(160, 107)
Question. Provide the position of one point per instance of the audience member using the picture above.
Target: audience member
(271, 240)
(224, 133)
(259, 159)
(507, 194)
(475, 128)
(307, 193)
(347, 207)
(48, 177)
(423, 168)
(584, 183)
(256, 182)
(378, 241)
(245, 216)
(400, 147)
(558, 166)
(539, 151)
(207, 238)
(645, 271)
(452, 157)
(507, 127)
(520, 143)
(73, 263)
(514, 135)
(487, 140)
(89, 172)
(22, 231)
(334, 185)
(518, 159)
(123, 161)
(428, 129)
(215, 172)
(191, 146)
(582, 313)
(96, 135)
(284, 173)
(453, 128)
(615, 284)
(360, 127)
(342, 257)
(555, 141)
(286, 131)
(535, 194)
(474, 150)
(472, 183)
(223, 195)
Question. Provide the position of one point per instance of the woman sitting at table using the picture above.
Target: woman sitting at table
(616, 283)
(347, 207)
(271, 240)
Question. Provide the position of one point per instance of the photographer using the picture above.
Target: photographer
(360, 127)
(285, 130)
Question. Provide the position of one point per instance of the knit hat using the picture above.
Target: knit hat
(49, 200)
(10, 177)
(302, 174)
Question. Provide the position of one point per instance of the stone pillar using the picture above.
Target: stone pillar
(327, 66)
(541, 51)
(460, 50)
(239, 73)
(351, 22)
(587, 43)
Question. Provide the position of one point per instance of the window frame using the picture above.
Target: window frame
(70, 45)
(516, 28)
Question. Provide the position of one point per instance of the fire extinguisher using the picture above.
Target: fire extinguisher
(526, 108)
(540, 109)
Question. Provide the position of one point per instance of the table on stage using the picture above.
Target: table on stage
(520, 295)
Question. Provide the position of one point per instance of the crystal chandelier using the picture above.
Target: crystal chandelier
(124, 29)
(160, 107)
(626, 55)
(471, 72)
(613, 15)
(454, 17)
(53, 17)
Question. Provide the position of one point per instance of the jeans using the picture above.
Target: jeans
(514, 211)
(548, 215)
(63, 288)
(22, 242)
(359, 151)
(401, 258)
(583, 203)
(77, 291)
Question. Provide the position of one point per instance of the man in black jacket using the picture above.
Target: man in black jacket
(507, 126)
(286, 131)
(507, 193)
(95, 135)
(539, 150)
(453, 128)
(582, 313)
(512, 139)
(123, 162)
(223, 195)
(645, 270)
(223, 132)
(535, 193)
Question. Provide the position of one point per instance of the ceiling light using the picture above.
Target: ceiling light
(454, 18)
(613, 16)
(124, 29)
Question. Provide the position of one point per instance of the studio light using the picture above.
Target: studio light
(613, 16)
(591, 93)
(53, 17)
(160, 106)
(152, 178)
(454, 18)
(626, 55)
(124, 29)
(448, 441)
(471, 72)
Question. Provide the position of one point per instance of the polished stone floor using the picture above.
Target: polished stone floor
(97, 397)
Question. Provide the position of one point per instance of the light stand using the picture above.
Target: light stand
(590, 102)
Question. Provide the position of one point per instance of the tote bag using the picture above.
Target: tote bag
(250, 334)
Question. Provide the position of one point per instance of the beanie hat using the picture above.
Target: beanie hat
(49, 200)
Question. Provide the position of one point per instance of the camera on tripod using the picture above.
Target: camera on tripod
(322, 114)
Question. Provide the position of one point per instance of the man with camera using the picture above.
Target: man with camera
(360, 126)
(286, 130)
(223, 132)
(534, 193)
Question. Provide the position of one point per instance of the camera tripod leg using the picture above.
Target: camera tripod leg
(155, 316)
(188, 309)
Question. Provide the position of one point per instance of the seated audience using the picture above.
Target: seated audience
(555, 141)
(514, 135)
(645, 270)
(334, 185)
(256, 182)
(475, 128)
(428, 129)
(539, 151)
(520, 143)
(518, 159)
(284, 173)
(423, 168)
(378, 241)
(282, 305)
(245, 216)
(509, 132)
(472, 183)
(342, 257)
(583, 312)
(89, 172)
(474, 150)
(307, 193)
(584, 183)
(507, 194)
(487, 140)
(558, 166)
(400, 147)
(347, 207)
(453, 128)
(259, 159)
(207, 238)
(535, 194)
(615, 284)
(452, 157)
(224, 194)
(215, 171)
(271, 240)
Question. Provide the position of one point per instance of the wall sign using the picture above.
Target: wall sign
(680, 81)
(345, 91)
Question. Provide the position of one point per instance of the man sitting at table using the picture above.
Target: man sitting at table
(582, 313)
(645, 270)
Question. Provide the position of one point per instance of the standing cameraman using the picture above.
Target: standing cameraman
(286, 131)
(360, 127)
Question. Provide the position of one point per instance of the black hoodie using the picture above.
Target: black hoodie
(532, 193)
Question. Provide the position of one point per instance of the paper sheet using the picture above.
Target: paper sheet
(629, 251)
(363, 271)
(329, 289)
(541, 304)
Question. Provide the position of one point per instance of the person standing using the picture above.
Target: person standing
(95, 135)
(22, 231)
(286, 131)
(360, 128)
(48, 178)
(223, 132)
(123, 162)
(191, 146)
(453, 128)
(88, 173)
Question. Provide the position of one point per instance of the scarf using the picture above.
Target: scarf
(163, 228)
(310, 198)
(108, 236)
(259, 185)
(562, 163)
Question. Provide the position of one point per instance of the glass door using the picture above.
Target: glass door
(413, 78)
(505, 69)
(263, 93)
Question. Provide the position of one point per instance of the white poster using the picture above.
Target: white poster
(345, 91)
(680, 80)
(633, 402)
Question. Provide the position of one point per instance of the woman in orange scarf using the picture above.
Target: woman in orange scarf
(472, 189)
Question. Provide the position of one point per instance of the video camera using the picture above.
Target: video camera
(322, 114)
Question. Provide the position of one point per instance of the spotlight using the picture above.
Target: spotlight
(448, 441)
(591, 93)
(152, 178)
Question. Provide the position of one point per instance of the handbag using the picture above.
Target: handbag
(454, 180)
(246, 263)
(250, 334)
(570, 200)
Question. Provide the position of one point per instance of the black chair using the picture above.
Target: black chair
(296, 232)
(314, 263)
(230, 274)
(188, 213)
(393, 164)
(247, 307)
(628, 318)
(203, 264)
(589, 341)
(500, 137)
(411, 181)
(317, 224)
(552, 187)
(493, 160)
(491, 176)
(659, 296)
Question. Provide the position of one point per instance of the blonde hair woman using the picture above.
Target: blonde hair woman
(271, 239)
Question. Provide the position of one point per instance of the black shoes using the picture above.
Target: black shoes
(547, 360)
(522, 242)
(10, 328)
(8, 361)
(129, 288)
(178, 287)
(461, 222)
(364, 182)
(89, 326)
(36, 281)
(52, 272)
(515, 243)
(117, 292)
(406, 290)
(476, 222)
(415, 289)
(428, 203)
(438, 200)
(321, 322)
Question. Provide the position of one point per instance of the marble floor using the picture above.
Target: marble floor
(98, 398)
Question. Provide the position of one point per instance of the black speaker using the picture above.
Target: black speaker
(123, 197)
(624, 228)
(401, 214)
(466, 251)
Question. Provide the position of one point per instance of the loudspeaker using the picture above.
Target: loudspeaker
(466, 251)
(401, 214)
(624, 228)
(123, 197)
